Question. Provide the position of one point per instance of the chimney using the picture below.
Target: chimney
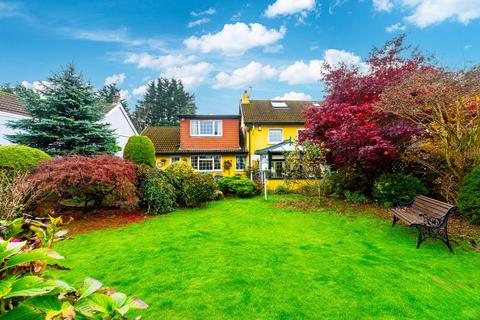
(245, 97)
(116, 98)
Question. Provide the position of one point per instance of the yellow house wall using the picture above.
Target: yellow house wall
(165, 160)
(257, 137)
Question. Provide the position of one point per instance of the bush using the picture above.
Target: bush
(199, 189)
(239, 186)
(348, 181)
(180, 171)
(17, 195)
(281, 189)
(388, 189)
(217, 195)
(20, 158)
(140, 150)
(158, 194)
(468, 197)
(355, 197)
(99, 180)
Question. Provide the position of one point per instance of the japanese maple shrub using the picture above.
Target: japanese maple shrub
(96, 181)
(358, 136)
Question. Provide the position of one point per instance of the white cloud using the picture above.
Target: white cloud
(198, 22)
(301, 72)
(310, 72)
(191, 74)
(115, 79)
(125, 95)
(236, 38)
(395, 27)
(36, 85)
(145, 60)
(424, 13)
(293, 95)
(10, 9)
(140, 90)
(208, 12)
(289, 7)
(383, 5)
(115, 36)
(252, 72)
(429, 12)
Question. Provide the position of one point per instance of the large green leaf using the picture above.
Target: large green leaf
(90, 285)
(22, 313)
(6, 286)
(30, 286)
(9, 248)
(44, 303)
(95, 304)
(34, 255)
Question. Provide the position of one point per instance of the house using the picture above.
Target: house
(11, 109)
(271, 128)
(209, 143)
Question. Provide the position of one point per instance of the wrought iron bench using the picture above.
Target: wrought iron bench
(428, 215)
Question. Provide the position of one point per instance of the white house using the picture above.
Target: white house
(11, 109)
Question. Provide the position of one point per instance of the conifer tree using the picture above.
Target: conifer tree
(164, 100)
(66, 119)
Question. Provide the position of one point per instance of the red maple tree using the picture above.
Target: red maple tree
(347, 122)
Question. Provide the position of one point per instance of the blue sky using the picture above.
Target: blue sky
(220, 48)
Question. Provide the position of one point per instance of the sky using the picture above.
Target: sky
(273, 48)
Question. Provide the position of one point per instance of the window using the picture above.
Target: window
(275, 136)
(206, 128)
(174, 159)
(240, 162)
(279, 104)
(276, 171)
(206, 163)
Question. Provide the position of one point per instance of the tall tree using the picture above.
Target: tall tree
(109, 92)
(66, 119)
(164, 100)
(358, 135)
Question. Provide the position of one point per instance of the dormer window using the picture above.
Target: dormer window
(206, 128)
(279, 104)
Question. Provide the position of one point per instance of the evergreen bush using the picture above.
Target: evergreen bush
(468, 197)
(140, 150)
(389, 189)
(20, 158)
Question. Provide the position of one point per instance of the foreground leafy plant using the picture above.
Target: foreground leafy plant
(26, 247)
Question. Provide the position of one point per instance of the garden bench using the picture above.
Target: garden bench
(428, 215)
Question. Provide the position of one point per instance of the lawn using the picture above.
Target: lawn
(249, 259)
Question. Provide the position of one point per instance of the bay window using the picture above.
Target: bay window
(206, 163)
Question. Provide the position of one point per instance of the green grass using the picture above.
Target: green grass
(247, 259)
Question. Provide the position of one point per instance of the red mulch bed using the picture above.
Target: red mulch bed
(101, 219)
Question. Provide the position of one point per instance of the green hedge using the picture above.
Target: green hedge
(21, 158)
(239, 186)
(140, 150)
(391, 188)
(469, 196)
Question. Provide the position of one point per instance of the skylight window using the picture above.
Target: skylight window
(316, 104)
(279, 104)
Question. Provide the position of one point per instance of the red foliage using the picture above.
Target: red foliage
(102, 179)
(347, 122)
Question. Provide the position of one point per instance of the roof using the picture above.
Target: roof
(282, 147)
(209, 116)
(167, 141)
(11, 103)
(261, 111)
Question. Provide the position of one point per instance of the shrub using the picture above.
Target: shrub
(17, 195)
(26, 251)
(217, 195)
(468, 197)
(388, 189)
(281, 189)
(21, 158)
(239, 186)
(180, 171)
(157, 191)
(103, 180)
(199, 189)
(348, 181)
(140, 150)
(355, 197)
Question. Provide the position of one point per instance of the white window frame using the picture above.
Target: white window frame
(244, 162)
(197, 124)
(196, 168)
(175, 157)
(274, 142)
